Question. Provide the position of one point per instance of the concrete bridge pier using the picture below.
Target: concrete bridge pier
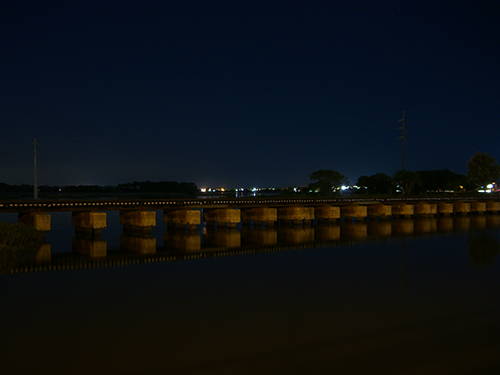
(425, 209)
(39, 220)
(444, 208)
(478, 207)
(296, 215)
(403, 210)
(327, 214)
(89, 222)
(189, 219)
(222, 217)
(462, 208)
(138, 223)
(492, 206)
(354, 211)
(258, 216)
(382, 211)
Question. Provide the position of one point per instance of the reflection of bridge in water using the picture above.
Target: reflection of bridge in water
(89, 250)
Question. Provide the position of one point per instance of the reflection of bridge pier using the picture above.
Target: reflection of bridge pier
(189, 241)
(138, 244)
(403, 227)
(229, 238)
(425, 225)
(296, 235)
(259, 236)
(358, 230)
(327, 233)
(379, 228)
(91, 247)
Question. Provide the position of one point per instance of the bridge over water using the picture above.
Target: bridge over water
(140, 213)
(138, 216)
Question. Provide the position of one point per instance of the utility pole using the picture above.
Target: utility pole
(35, 187)
(403, 138)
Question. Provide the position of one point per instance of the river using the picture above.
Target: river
(420, 298)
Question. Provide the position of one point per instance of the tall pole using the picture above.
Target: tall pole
(35, 187)
(403, 138)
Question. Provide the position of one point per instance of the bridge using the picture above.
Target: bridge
(139, 214)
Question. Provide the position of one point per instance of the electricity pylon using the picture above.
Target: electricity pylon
(35, 187)
(403, 138)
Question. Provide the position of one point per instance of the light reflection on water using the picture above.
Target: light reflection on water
(402, 296)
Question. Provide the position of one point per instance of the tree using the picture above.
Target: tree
(324, 180)
(440, 180)
(406, 179)
(482, 170)
(379, 183)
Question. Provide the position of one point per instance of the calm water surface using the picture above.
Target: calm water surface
(427, 304)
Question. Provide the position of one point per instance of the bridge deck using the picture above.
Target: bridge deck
(199, 203)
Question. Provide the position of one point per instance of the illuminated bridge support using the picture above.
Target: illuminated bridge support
(39, 220)
(462, 208)
(327, 213)
(89, 222)
(382, 211)
(222, 216)
(186, 218)
(354, 211)
(296, 215)
(425, 209)
(138, 222)
(445, 208)
(260, 215)
(403, 210)
(492, 206)
(478, 207)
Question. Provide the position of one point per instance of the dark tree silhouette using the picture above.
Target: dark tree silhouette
(379, 183)
(324, 180)
(483, 170)
(406, 180)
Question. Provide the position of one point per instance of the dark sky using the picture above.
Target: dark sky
(244, 93)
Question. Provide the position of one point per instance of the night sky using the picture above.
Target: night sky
(244, 93)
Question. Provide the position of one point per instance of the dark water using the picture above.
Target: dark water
(421, 303)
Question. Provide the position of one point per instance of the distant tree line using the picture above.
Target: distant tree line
(165, 187)
(483, 170)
